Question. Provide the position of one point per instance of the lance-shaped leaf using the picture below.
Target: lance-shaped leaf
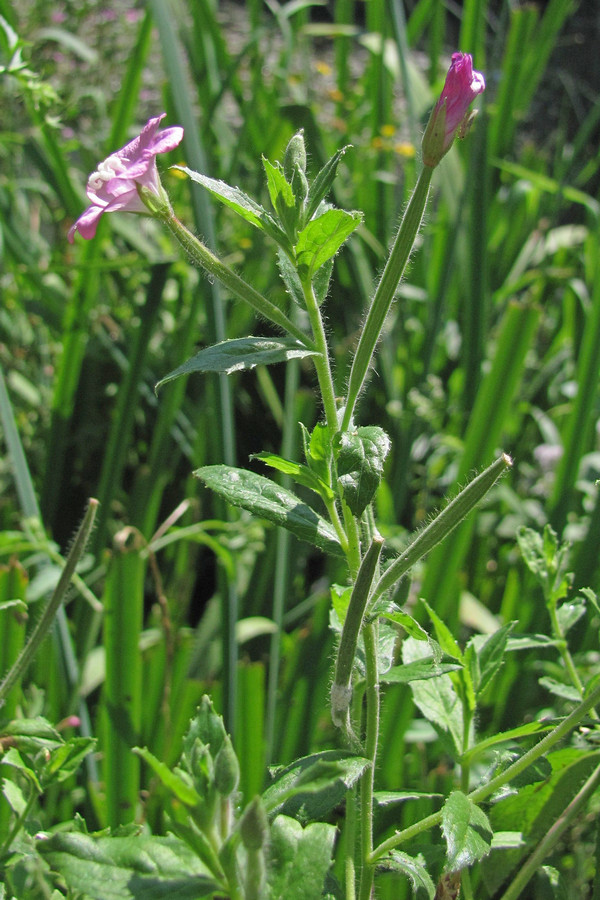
(282, 196)
(321, 239)
(360, 458)
(467, 831)
(267, 500)
(301, 474)
(240, 202)
(241, 353)
(322, 183)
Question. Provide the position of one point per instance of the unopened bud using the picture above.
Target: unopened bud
(227, 769)
(254, 825)
(295, 156)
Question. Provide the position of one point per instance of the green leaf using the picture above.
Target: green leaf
(174, 781)
(533, 806)
(300, 859)
(128, 868)
(489, 651)
(360, 457)
(420, 670)
(317, 450)
(67, 758)
(570, 612)
(241, 353)
(467, 831)
(436, 698)
(282, 197)
(309, 788)
(322, 183)
(410, 625)
(267, 500)
(443, 634)
(414, 869)
(391, 798)
(559, 689)
(301, 474)
(240, 202)
(512, 734)
(321, 239)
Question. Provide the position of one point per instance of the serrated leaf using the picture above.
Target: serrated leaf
(301, 474)
(240, 202)
(420, 670)
(322, 182)
(321, 239)
(240, 353)
(128, 868)
(309, 788)
(467, 831)
(267, 500)
(414, 869)
(360, 457)
(300, 859)
(173, 781)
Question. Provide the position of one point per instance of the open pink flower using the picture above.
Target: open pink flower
(114, 186)
(451, 112)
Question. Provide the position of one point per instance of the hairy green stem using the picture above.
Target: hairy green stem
(321, 362)
(386, 290)
(205, 259)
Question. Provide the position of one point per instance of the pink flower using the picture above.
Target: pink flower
(450, 116)
(114, 186)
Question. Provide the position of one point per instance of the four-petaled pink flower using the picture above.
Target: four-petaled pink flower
(451, 113)
(114, 186)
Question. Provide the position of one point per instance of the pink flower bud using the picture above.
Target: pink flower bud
(114, 185)
(449, 117)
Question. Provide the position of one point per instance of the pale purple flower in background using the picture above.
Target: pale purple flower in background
(451, 114)
(114, 186)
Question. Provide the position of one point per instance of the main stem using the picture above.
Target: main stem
(321, 362)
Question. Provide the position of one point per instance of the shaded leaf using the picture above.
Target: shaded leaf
(267, 500)
(414, 869)
(360, 457)
(299, 859)
(128, 868)
(309, 788)
(238, 354)
(420, 670)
